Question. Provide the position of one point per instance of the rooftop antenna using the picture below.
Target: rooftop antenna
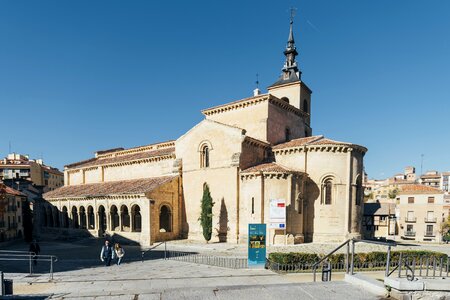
(257, 81)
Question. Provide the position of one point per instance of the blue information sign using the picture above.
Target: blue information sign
(256, 245)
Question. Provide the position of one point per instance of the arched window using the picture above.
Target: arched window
(305, 106)
(75, 223)
(65, 217)
(101, 219)
(136, 218)
(287, 134)
(114, 218)
(82, 217)
(165, 219)
(125, 217)
(91, 218)
(327, 191)
(285, 99)
(204, 156)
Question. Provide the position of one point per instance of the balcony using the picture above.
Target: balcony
(410, 233)
(12, 208)
(410, 219)
(429, 233)
(430, 220)
(12, 226)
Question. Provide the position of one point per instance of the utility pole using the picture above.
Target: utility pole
(421, 164)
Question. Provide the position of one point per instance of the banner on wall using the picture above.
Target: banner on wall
(256, 245)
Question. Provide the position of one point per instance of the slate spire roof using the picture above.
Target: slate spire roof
(290, 72)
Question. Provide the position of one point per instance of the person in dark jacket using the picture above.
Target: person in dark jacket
(34, 251)
(107, 253)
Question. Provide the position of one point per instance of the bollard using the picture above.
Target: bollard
(2, 290)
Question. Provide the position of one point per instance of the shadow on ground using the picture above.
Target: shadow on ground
(74, 255)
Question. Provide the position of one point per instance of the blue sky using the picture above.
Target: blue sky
(80, 76)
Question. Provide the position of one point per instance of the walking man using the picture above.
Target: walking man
(107, 253)
(34, 251)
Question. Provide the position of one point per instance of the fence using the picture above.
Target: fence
(422, 266)
(218, 261)
(29, 258)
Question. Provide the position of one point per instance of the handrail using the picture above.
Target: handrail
(314, 266)
(150, 249)
(10, 255)
(347, 242)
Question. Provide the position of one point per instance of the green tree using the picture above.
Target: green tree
(445, 230)
(206, 213)
(393, 193)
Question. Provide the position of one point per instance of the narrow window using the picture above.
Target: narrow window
(287, 134)
(204, 157)
(410, 200)
(327, 192)
(253, 205)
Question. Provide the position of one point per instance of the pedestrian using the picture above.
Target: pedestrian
(120, 252)
(107, 253)
(34, 251)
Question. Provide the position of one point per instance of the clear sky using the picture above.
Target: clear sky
(80, 76)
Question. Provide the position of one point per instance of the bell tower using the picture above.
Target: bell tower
(289, 86)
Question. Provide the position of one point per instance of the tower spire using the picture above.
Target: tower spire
(291, 51)
(290, 71)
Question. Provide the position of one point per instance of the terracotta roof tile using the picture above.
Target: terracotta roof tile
(4, 189)
(268, 168)
(419, 189)
(137, 186)
(298, 142)
(379, 209)
(122, 158)
(312, 140)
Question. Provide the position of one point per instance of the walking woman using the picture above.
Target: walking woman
(120, 252)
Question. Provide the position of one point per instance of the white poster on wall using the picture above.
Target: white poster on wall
(277, 213)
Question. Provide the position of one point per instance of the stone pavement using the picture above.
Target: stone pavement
(165, 279)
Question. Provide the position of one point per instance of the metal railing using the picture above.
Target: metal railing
(349, 264)
(430, 233)
(30, 257)
(410, 233)
(211, 260)
(150, 249)
(410, 219)
(430, 220)
(422, 266)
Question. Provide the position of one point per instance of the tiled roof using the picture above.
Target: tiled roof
(122, 158)
(313, 141)
(419, 189)
(298, 142)
(137, 186)
(268, 168)
(4, 189)
(379, 209)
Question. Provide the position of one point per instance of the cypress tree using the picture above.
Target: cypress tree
(206, 213)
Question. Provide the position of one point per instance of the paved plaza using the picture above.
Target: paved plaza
(80, 274)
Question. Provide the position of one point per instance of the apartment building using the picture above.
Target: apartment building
(18, 166)
(422, 209)
(11, 219)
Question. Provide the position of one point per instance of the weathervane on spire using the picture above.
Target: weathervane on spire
(293, 10)
(257, 81)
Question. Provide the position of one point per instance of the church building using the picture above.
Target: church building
(248, 152)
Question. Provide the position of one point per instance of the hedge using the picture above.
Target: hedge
(376, 256)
